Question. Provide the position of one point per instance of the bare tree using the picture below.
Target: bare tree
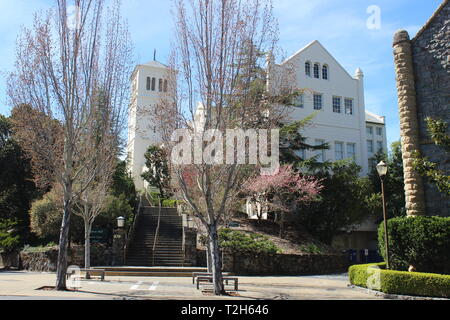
(219, 49)
(69, 58)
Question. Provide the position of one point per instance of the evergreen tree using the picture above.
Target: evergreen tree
(438, 130)
(16, 183)
(158, 170)
(393, 182)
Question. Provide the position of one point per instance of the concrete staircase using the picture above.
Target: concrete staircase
(169, 243)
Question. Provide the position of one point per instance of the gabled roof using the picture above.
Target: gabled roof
(374, 118)
(155, 64)
(310, 45)
(435, 14)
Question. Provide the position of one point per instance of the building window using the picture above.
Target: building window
(320, 153)
(317, 102)
(372, 164)
(165, 85)
(348, 106)
(153, 84)
(299, 101)
(379, 131)
(316, 70)
(351, 151)
(308, 69)
(369, 131)
(339, 150)
(325, 72)
(370, 146)
(379, 146)
(160, 85)
(149, 80)
(301, 153)
(337, 104)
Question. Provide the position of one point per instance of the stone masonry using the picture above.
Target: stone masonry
(409, 128)
(423, 84)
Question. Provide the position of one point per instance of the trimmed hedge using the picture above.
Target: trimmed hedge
(423, 242)
(400, 282)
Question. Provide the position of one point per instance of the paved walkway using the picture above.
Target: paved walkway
(23, 285)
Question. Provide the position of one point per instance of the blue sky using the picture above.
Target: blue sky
(341, 26)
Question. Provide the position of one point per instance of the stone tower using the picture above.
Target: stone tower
(149, 86)
(423, 83)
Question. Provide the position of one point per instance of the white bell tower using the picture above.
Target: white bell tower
(149, 85)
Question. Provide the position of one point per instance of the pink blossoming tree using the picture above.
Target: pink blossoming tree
(283, 191)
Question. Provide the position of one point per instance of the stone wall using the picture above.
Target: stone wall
(280, 264)
(431, 60)
(190, 246)
(46, 261)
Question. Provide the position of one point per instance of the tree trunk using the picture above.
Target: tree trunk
(208, 255)
(87, 245)
(216, 261)
(63, 244)
(281, 234)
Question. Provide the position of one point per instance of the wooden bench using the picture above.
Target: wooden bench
(210, 279)
(199, 274)
(100, 272)
(88, 272)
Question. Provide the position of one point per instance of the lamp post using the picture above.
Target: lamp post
(120, 222)
(382, 169)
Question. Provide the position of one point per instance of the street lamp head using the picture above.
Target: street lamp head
(382, 169)
(120, 222)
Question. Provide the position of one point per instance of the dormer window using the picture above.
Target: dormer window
(308, 69)
(325, 72)
(316, 71)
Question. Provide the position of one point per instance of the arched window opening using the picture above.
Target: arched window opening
(316, 70)
(325, 72)
(308, 69)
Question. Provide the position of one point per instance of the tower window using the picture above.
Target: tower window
(148, 83)
(160, 85)
(316, 70)
(153, 84)
(165, 85)
(308, 69)
(325, 72)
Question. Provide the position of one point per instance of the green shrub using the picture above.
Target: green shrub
(238, 241)
(9, 239)
(401, 282)
(169, 203)
(423, 242)
(310, 248)
(46, 216)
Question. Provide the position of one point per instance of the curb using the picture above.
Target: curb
(390, 296)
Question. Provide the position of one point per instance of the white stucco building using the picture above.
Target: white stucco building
(149, 84)
(337, 98)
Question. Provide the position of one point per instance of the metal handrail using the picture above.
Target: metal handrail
(155, 240)
(183, 235)
(130, 233)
